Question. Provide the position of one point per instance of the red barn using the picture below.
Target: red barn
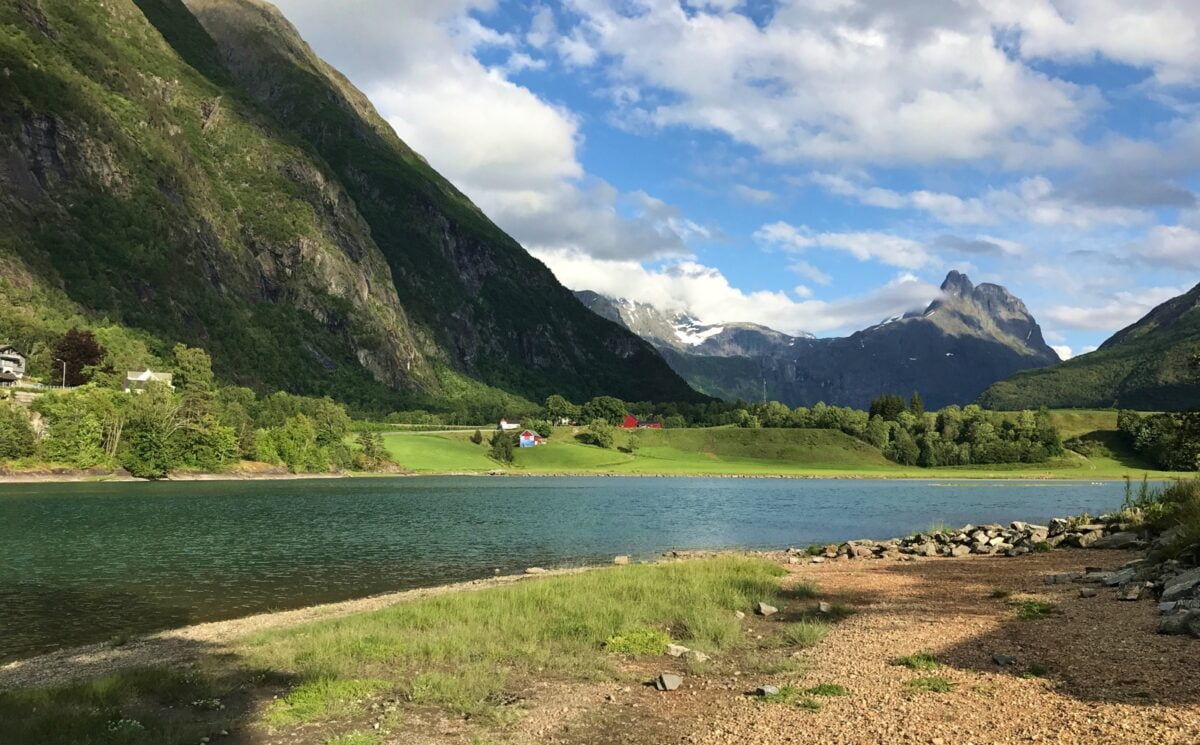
(632, 422)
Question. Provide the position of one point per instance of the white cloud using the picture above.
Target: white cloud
(750, 194)
(1120, 310)
(1032, 200)
(866, 81)
(512, 152)
(1063, 351)
(864, 246)
(810, 272)
(1177, 246)
(706, 293)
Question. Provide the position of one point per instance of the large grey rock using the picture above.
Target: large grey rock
(1085, 540)
(1003, 660)
(1187, 622)
(1130, 591)
(1118, 541)
(667, 682)
(763, 609)
(960, 551)
(766, 691)
(1119, 578)
(1088, 592)
(1180, 586)
(1058, 526)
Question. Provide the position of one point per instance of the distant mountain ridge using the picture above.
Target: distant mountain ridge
(965, 340)
(1148, 365)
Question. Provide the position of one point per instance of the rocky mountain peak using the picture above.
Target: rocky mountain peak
(957, 283)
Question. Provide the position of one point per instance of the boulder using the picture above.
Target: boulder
(1116, 579)
(1088, 592)
(667, 682)
(621, 560)
(535, 570)
(1085, 540)
(1003, 660)
(1058, 526)
(831, 551)
(1187, 622)
(766, 691)
(677, 650)
(818, 559)
(861, 552)
(1180, 586)
(960, 550)
(763, 609)
(1118, 541)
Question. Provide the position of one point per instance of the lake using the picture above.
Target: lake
(82, 563)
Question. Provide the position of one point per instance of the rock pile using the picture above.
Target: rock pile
(991, 540)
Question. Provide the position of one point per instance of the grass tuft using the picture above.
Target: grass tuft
(918, 661)
(806, 633)
(638, 642)
(1031, 610)
(1000, 594)
(1036, 670)
(826, 689)
(354, 738)
(931, 684)
(322, 699)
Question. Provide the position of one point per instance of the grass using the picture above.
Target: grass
(1036, 670)
(918, 661)
(806, 633)
(729, 450)
(638, 642)
(1000, 593)
(467, 653)
(827, 689)
(931, 684)
(1031, 610)
(354, 738)
(461, 651)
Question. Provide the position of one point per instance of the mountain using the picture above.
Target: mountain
(195, 173)
(963, 342)
(1147, 366)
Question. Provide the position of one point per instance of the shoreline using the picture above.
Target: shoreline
(66, 476)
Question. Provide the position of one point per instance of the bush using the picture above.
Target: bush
(599, 433)
(16, 433)
(477, 437)
(501, 447)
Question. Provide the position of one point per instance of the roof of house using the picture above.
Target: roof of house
(148, 375)
(9, 348)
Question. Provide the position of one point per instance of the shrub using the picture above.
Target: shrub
(599, 433)
(501, 447)
(1031, 610)
(806, 633)
(16, 433)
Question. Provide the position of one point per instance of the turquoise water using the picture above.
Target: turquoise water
(84, 562)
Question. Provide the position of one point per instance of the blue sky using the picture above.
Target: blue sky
(813, 165)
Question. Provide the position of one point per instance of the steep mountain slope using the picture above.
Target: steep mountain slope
(1148, 366)
(205, 178)
(967, 339)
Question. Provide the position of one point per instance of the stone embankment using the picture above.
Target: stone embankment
(1175, 582)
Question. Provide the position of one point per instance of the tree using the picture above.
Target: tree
(559, 408)
(477, 438)
(148, 448)
(917, 405)
(541, 426)
(904, 449)
(294, 444)
(193, 369)
(888, 407)
(16, 433)
(81, 353)
(75, 434)
(501, 447)
(608, 408)
(600, 434)
(372, 450)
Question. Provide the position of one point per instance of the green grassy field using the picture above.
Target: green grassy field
(755, 452)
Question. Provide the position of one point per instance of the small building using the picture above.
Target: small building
(12, 365)
(528, 439)
(506, 426)
(136, 382)
(632, 422)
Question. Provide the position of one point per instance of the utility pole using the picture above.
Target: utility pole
(64, 364)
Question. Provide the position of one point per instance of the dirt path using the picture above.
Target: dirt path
(1110, 678)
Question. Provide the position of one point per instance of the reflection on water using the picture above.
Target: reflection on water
(85, 562)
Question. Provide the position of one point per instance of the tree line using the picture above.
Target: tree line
(197, 425)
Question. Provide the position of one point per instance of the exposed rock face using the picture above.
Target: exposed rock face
(960, 344)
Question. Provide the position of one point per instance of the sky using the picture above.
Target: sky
(811, 165)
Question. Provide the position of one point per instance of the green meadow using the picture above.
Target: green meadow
(731, 451)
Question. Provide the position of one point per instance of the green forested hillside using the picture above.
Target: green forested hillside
(159, 185)
(1148, 366)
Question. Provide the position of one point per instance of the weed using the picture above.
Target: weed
(918, 661)
(814, 549)
(930, 684)
(1036, 670)
(638, 642)
(809, 704)
(1000, 594)
(1042, 547)
(1031, 610)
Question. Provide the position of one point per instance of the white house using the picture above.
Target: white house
(136, 382)
(12, 365)
(505, 426)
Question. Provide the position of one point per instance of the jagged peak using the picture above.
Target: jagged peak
(957, 283)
